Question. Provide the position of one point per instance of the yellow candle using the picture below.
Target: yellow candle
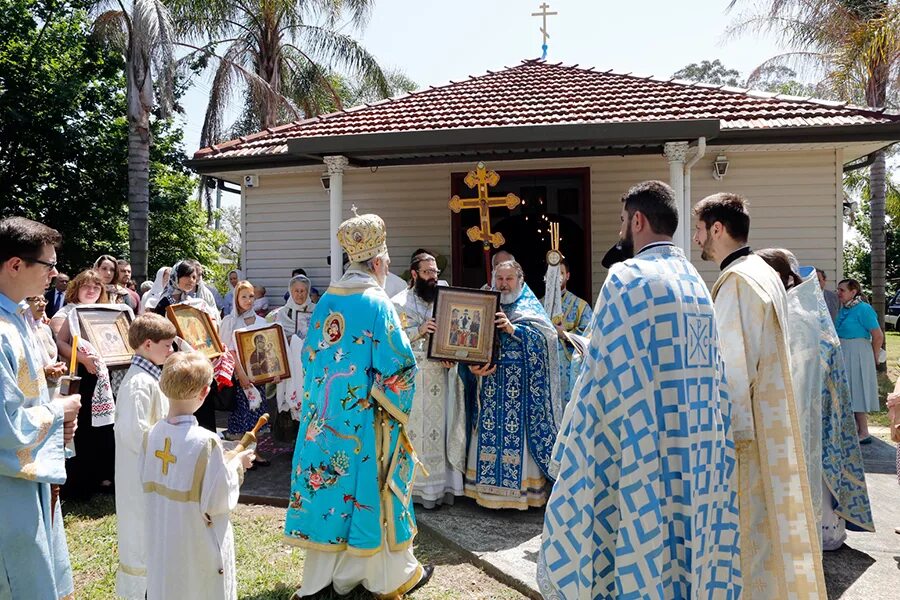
(73, 364)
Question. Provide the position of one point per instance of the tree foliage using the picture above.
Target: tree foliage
(63, 142)
(713, 72)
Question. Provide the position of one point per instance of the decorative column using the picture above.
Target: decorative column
(336, 166)
(676, 153)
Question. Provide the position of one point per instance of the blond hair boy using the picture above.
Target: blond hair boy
(139, 405)
(190, 488)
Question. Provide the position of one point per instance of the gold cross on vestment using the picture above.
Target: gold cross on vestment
(482, 179)
(166, 456)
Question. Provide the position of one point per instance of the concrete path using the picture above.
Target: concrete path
(505, 543)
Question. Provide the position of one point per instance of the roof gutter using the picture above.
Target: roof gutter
(500, 138)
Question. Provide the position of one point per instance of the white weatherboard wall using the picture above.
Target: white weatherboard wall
(795, 203)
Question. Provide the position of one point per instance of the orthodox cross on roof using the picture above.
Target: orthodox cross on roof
(544, 14)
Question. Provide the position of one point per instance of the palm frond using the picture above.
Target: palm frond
(111, 27)
(335, 49)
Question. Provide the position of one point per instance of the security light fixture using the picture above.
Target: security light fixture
(720, 167)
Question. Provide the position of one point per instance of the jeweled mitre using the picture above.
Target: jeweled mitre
(363, 237)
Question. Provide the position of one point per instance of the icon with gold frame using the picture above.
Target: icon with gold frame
(263, 353)
(196, 328)
(465, 326)
(107, 331)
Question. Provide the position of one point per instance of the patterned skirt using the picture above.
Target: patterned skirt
(242, 419)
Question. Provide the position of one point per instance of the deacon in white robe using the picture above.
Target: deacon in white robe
(34, 559)
(139, 406)
(644, 502)
(436, 424)
(778, 530)
(519, 402)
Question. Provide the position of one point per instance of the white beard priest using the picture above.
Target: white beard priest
(519, 402)
(436, 424)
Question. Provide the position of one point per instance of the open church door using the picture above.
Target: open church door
(561, 195)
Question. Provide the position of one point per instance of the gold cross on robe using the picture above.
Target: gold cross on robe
(166, 456)
(482, 179)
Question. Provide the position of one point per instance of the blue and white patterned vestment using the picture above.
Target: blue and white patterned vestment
(644, 505)
(822, 393)
(34, 559)
(516, 426)
(576, 318)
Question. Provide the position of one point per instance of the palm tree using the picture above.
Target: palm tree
(143, 32)
(855, 46)
(285, 54)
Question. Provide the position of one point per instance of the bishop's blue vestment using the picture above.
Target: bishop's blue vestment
(34, 559)
(644, 505)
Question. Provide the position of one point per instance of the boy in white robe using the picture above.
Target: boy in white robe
(190, 488)
(139, 406)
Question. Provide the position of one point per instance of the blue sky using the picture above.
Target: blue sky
(434, 42)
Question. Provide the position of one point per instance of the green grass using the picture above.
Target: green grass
(267, 569)
(887, 379)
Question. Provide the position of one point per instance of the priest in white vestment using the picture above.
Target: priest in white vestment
(779, 541)
(519, 402)
(437, 419)
(644, 502)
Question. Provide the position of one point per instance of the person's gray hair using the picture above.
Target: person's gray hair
(367, 265)
(146, 287)
(300, 279)
(511, 264)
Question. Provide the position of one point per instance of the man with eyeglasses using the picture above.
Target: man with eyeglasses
(436, 424)
(33, 428)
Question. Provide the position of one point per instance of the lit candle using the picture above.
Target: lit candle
(74, 362)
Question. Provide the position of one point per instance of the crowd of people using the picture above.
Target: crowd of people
(698, 443)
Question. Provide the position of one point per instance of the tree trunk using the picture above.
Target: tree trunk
(140, 103)
(877, 191)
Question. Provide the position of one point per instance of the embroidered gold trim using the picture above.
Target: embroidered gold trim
(345, 291)
(410, 584)
(43, 418)
(311, 545)
(389, 406)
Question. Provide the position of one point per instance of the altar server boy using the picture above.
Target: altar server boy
(139, 406)
(190, 488)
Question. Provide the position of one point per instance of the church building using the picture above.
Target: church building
(569, 141)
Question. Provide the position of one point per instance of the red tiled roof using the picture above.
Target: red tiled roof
(539, 93)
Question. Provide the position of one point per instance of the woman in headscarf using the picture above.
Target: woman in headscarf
(294, 319)
(248, 399)
(93, 466)
(234, 277)
(181, 288)
(152, 297)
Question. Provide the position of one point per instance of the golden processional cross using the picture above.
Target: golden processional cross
(482, 179)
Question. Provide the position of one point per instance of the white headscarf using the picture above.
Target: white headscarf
(237, 320)
(293, 317)
(152, 297)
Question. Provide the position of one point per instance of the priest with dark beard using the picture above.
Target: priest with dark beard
(437, 420)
